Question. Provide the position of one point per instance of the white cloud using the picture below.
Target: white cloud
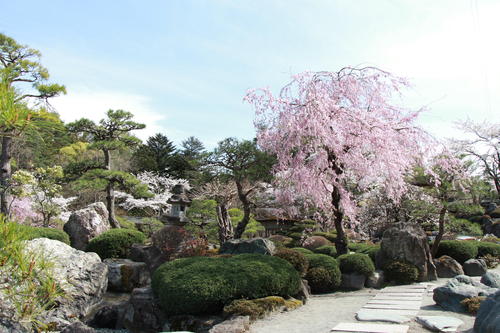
(85, 103)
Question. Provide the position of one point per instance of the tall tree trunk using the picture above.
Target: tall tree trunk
(341, 241)
(225, 226)
(110, 194)
(240, 229)
(5, 173)
(435, 246)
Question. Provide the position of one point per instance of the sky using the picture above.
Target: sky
(182, 67)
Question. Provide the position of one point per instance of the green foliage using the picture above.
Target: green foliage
(253, 227)
(302, 250)
(29, 276)
(126, 224)
(329, 250)
(485, 248)
(41, 232)
(297, 259)
(318, 280)
(461, 251)
(356, 263)
(200, 285)
(98, 179)
(463, 227)
(365, 248)
(115, 243)
(465, 211)
(401, 272)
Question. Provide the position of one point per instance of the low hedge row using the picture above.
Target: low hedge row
(202, 285)
(461, 251)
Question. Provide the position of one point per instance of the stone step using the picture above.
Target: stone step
(392, 306)
(395, 302)
(370, 328)
(404, 295)
(401, 290)
(411, 313)
(398, 297)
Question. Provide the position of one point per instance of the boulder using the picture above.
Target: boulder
(9, 326)
(376, 280)
(239, 324)
(143, 314)
(456, 290)
(407, 242)
(254, 245)
(87, 223)
(440, 323)
(125, 275)
(82, 276)
(491, 279)
(108, 315)
(490, 207)
(488, 316)
(447, 267)
(475, 267)
(190, 323)
(304, 292)
(353, 281)
(148, 254)
(78, 327)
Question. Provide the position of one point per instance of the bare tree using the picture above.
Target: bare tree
(484, 148)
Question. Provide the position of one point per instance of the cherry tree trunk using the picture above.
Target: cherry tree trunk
(5, 173)
(341, 241)
(225, 226)
(110, 194)
(435, 246)
(240, 229)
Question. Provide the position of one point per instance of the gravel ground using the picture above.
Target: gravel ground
(323, 312)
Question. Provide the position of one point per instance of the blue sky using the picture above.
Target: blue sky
(183, 66)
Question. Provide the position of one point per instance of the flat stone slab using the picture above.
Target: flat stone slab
(406, 291)
(392, 306)
(368, 315)
(370, 328)
(398, 297)
(440, 323)
(410, 313)
(395, 302)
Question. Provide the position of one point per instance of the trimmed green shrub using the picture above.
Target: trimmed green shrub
(41, 232)
(329, 250)
(355, 247)
(465, 211)
(401, 272)
(331, 236)
(297, 259)
(201, 285)
(314, 242)
(370, 250)
(356, 263)
(318, 281)
(302, 250)
(463, 227)
(280, 240)
(461, 251)
(485, 248)
(115, 243)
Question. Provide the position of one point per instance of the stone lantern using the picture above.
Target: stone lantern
(179, 202)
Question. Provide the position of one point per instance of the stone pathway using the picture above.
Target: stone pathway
(395, 305)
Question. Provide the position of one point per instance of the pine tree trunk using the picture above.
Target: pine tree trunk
(240, 229)
(5, 173)
(225, 226)
(110, 194)
(440, 234)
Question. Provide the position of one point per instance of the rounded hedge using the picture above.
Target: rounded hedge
(329, 250)
(40, 232)
(302, 250)
(326, 283)
(356, 263)
(115, 243)
(202, 285)
(401, 272)
(314, 242)
(461, 251)
(485, 248)
(297, 259)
